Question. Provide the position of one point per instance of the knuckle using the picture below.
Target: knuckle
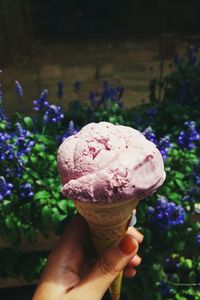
(106, 266)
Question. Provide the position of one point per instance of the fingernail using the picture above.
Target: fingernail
(127, 245)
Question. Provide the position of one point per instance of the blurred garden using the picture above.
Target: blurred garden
(33, 212)
(31, 202)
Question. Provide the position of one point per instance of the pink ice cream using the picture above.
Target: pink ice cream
(108, 163)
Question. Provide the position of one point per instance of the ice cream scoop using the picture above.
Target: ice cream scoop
(106, 169)
(109, 163)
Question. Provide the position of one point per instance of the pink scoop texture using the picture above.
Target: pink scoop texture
(107, 163)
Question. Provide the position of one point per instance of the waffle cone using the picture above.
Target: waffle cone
(107, 223)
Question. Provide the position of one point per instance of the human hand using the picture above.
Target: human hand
(70, 275)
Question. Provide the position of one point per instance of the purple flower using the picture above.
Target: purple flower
(110, 93)
(5, 188)
(164, 146)
(172, 263)
(165, 289)
(152, 111)
(26, 190)
(77, 85)
(23, 142)
(53, 114)
(2, 115)
(93, 98)
(192, 58)
(71, 130)
(15, 170)
(186, 139)
(150, 135)
(6, 150)
(198, 238)
(41, 103)
(167, 214)
(19, 89)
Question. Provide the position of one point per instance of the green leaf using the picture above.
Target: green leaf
(192, 277)
(39, 147)
(29, 122)
(56, 195)
(175, 197)
(10, 224)
(11, 229)
(46, 217)
(62, 204)
(57, 216)
(42, 195)
(31, 234)
(3, 125)
(180, 183)
(179, 175)
(33, 159)
(35, 174)
(188, 263)
(43, 139)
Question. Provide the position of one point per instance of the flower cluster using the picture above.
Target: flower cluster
(110, 93)
(192, 55)
(172, 263)
(23, 141)
(26, 190)
(19, 89)
(107, 94)
(186, 139)
(164, 146)
(5, 188)
(198, 238)
(71, 130)
(165, 289)
(77, 85)
(3, 117)
(167, 214)
(150, 135)
(41, 103)
(6, 150)
(53, 114)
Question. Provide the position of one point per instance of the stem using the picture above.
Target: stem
(43, 129)
(184, 284)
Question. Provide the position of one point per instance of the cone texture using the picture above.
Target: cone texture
(107, 223)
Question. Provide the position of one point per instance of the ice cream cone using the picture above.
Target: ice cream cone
(107, 223)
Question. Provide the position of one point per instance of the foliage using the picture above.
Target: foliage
(31, 201)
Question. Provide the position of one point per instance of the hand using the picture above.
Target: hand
(70, 275)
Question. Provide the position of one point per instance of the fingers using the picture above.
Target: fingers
(107, 268)
(129, 272)
(135, 261)
(69, 251)
(65, 262)
(136, 234)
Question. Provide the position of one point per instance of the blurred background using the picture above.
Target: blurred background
(124, 42)
(59, 45)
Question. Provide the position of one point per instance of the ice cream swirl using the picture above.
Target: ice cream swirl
(107, 163)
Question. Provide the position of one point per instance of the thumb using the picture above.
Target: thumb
(107, 268)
